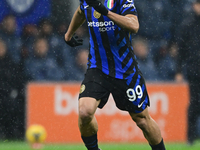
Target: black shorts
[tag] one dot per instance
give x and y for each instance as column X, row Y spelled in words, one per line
column 129, row 96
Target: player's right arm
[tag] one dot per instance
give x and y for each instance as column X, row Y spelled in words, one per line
column 77, row 20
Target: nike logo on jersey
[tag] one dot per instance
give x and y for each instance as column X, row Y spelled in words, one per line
column 140, row 105
column 86, row 6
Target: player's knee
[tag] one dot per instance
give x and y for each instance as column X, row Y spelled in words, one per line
column 85, row 115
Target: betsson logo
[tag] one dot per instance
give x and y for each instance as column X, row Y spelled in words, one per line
column 103, row 26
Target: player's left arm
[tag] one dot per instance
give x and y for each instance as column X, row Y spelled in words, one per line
column 128, row 22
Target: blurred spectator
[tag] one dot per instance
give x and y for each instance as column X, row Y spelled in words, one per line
column 62, row 28
column 188, row 58
column 68, row 60
column 155, row 18
column 41, row 67
column 45, row 28
column 145, row 62
column 165, row 60
column 9, row 83
column 29, row 34
column 56, row 43
column 8, row 34
column 46, row 31
column 155, row 21
column 179, row 9
column 80, row 66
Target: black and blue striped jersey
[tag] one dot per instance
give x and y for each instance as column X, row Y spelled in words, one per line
column 110, row 46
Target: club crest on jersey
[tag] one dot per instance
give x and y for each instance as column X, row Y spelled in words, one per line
column 96, row 14
column 110, row 4
column 20, row 6
column 82, row 89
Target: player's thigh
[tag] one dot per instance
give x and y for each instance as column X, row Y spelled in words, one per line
column 95, row 85
column 88, row 106
column 141, row 117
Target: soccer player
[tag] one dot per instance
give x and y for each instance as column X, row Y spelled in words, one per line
column 112, row 68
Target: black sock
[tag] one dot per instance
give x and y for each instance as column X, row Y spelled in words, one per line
column 91, row 142
column 160, row 146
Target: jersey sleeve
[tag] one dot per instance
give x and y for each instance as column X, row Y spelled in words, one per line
column 127, row 7
column 81, row 5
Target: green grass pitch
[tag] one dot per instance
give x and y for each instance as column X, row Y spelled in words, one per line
column 6, row 145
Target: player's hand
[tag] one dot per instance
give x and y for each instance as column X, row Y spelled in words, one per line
column 75, row 41
column 98, row 6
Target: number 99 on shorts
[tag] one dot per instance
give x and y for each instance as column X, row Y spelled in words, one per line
column 134, row 94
